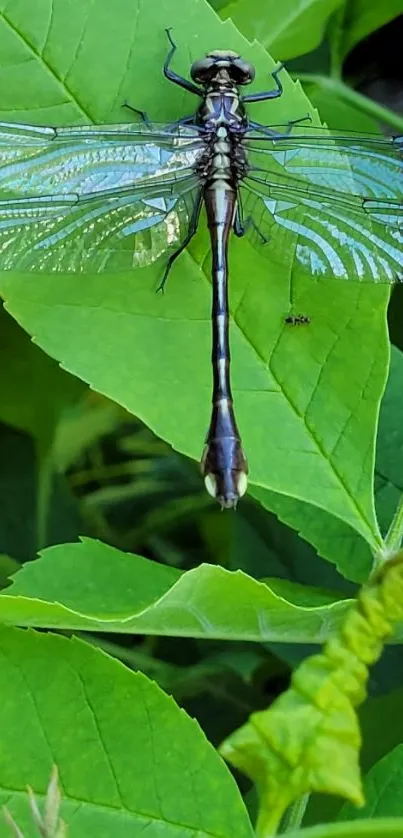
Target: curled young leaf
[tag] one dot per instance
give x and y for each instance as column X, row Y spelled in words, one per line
column 309, row 739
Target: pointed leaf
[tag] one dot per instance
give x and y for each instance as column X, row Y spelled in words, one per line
column 364, row 17
column 124, row 750
column 286, row 30
column 308, row 431
column 382, row 790
column 99, row 588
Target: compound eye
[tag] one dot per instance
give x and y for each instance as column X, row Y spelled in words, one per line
column 243, row 72
column 201, row 71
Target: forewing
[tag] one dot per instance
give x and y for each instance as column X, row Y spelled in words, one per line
column 93, row 200
column 359, row 164
column 334, row 201
column 37, row 161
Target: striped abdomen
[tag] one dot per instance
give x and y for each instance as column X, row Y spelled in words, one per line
column 224, row 464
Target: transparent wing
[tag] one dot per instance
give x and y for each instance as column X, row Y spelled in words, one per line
column 361, row 164
column 37, row 161
column 334, row 200
column 114, row 232
column 94, row 200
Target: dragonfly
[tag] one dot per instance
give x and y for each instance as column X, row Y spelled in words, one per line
column 124, row 196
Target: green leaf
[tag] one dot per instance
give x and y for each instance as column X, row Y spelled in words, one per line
column 8, row 566
column 99, row 588
column 337, row 113
column 381, row 725
column 307, row 429
column 382, row 828
column 164, row 390
column 89, row 420
column 18, row 520
column 47, row 824
column 287, row 29
column 124, row 750
column 389, row 455
column 34, row 390
column 337, row 91
column 365, row 16
column 35, row 393
column 382, row 790
column 309, row 738
column 333, row 539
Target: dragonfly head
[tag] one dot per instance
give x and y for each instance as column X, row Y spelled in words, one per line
column 222, row 63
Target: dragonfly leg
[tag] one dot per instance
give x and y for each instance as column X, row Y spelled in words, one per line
column 194, row 220
column 185, row 120
column 169, row 74
column 241, row 226
column 267, row 94
column 142, row 114
column 271, row 132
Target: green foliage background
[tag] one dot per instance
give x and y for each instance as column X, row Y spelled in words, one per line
column 104, row 403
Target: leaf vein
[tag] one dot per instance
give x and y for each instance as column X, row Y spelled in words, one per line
column 48, row 67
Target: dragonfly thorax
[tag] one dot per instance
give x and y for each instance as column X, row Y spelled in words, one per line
column 222, row 107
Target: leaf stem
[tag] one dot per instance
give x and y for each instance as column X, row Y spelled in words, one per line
column 335, row 35
column 394, row 537
column 337, row 88
column 295, row 813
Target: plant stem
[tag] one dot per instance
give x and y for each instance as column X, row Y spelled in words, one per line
column 335, row 37
column 394, row 538
column 362, row 103
column 295, row 813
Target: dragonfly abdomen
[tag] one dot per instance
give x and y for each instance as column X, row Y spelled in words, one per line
column 224, row 465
